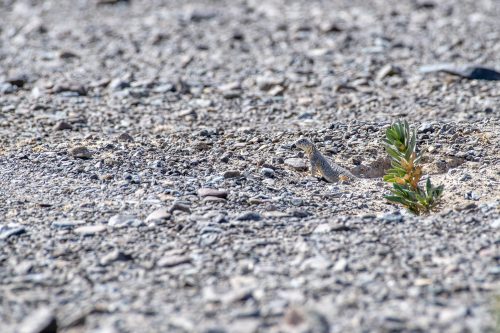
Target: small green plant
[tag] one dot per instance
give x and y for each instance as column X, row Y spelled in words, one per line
column 405, row 172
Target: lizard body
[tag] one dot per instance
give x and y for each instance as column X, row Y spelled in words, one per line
column 320, row 165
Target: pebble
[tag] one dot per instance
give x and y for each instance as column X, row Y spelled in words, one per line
column 90, row 230
column 392, row 218
column 297, row 164
column 231, row 174
column 387, row 70
column 173, row 260
column 80, row 152
column 10, row 230
column 210, row 192
column 62, row 125
column 125, row 137
column 114, row 256
column 267, row 172
column 495, row 224
column 7, row 88
column 181, row 206
column 213, row 199
column 118, row 84
column 249, row 216
column 472, row 196
column 67, row 224
column 41, row 320
column 323, row 228
column 123, row 221
column 158, row 215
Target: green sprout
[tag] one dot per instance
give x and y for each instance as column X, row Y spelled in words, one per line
column 405, row 172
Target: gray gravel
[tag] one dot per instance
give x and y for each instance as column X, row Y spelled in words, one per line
column 148, row 181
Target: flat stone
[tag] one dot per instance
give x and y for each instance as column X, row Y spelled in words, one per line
column 210, row 192
column 231, row 174
column 125, row 137
column 158, row 215
column 267, row 172
column 62, row 125
column 172, row 261
column 297, row 164
column 90, row 230
column 323, row 228
column 113, row 256
column 179, row 206
column 11, row 230
column 213, row 199
column 387, row 70
column 249, row 216
column 40, row 321
column 123, row 221
column 80, row 152
column 67, row 224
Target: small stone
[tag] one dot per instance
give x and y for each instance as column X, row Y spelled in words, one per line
column 472, row 196
column 40, row 321
column 231, row 174
column 495, row 224
column 340, row 265
column 179, row 206
column 7, row 88
column 240, row 294
column 113, row 256
column 125, row 137
column 210, row 192
column 18, row 80
column 67, row 55
column 80, row 152
column 118, row 84
column 323, row 228
column 110, row 2
column 213, row 199
column 425, row 127
column 297, row 164
column 249, row 216
column 90, row 230
column 158, row 215
column 300, row 213
column 10, row 230
column 465, row 177
column 266, row 83
column 62, row 125
column 123, row 221
column 267, row 172
column 225, row 158
column 276, row 91
column 67, row 224
column 392, row 218
column 387, row 70
column 230, row 94
column 172, row 261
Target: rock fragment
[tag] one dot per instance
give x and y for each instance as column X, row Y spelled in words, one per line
column 40, row 321
column 297, row 164
column 90, row 230
column 210, row 192
column 80, row 152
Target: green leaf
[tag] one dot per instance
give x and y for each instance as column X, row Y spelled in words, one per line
column 395, row 198
column 394, row 154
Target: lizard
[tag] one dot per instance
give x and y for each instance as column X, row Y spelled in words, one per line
column 319, row 164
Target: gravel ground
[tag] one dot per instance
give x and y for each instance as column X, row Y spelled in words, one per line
column 148, row 181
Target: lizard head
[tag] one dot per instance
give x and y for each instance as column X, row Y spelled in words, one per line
column 305, row 144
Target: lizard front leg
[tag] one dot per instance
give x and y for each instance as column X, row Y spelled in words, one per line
column 313, row 168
